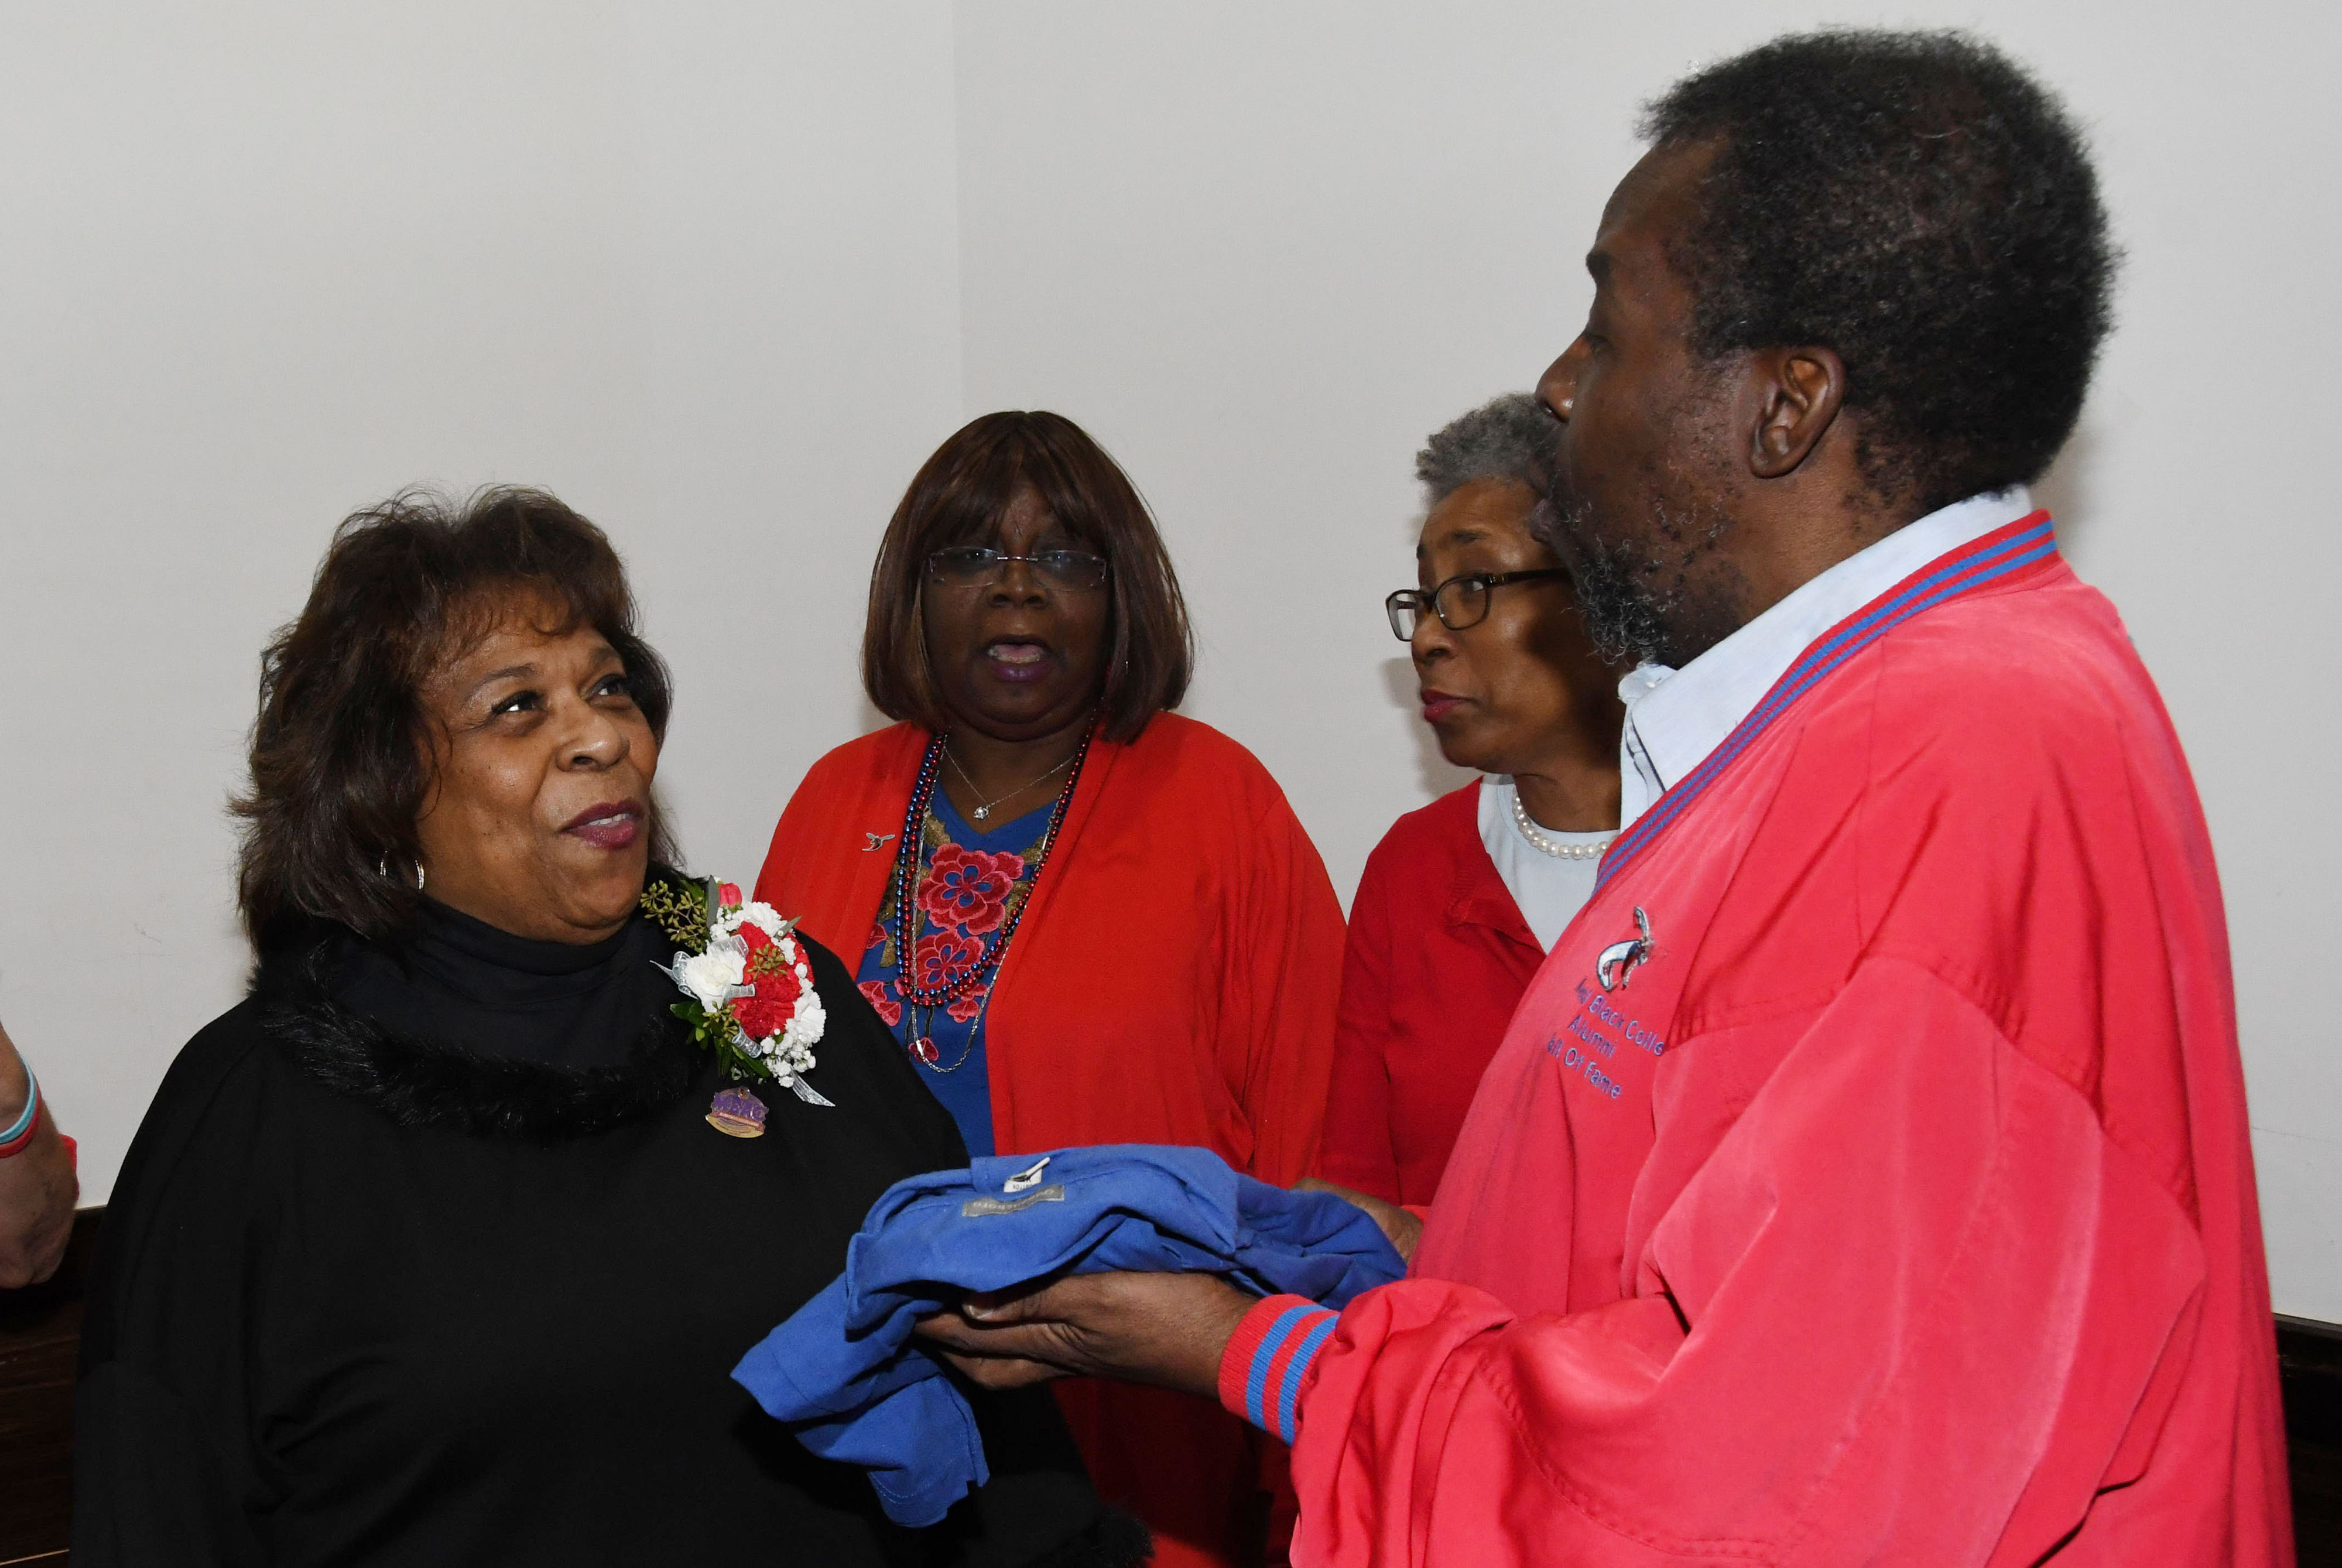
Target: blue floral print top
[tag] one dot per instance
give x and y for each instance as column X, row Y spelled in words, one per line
column 969, row 883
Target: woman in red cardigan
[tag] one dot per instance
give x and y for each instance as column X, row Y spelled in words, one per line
column 1088, row 919
column 1462, row 898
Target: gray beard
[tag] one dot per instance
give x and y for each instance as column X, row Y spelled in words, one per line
column 1638, row 598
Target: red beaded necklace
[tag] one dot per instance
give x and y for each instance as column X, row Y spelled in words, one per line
column 958, row 984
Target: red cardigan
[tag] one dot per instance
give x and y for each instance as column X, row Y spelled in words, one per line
column 1438, row 955
column 1174, row 981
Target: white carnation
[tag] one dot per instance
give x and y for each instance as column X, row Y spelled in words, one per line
column 808, row 1022
column 763, row 916
column 710, row 976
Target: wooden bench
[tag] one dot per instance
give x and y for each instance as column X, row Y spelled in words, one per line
column 2309, row 1359
column 40, row 1336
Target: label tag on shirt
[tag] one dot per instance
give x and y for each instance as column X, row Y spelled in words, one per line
column 977, row 1208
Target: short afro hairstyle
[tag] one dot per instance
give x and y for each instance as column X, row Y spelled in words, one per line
column 1920, row 205
column 1509, row 438
column 341, row 751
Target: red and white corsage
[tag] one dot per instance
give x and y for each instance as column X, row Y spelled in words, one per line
column 751, row 992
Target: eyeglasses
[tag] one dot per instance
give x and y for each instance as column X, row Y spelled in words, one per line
column 1459, row 601
column 974, row 566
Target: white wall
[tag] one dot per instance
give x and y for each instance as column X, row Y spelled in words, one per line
column 1264, row 250
column 691, row 267
column 722, row 276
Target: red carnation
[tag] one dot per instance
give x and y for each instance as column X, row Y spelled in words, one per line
column 767, row 1012
column 889, row 1010
column 969, row 888
column 776, row 985
column 760, row 1019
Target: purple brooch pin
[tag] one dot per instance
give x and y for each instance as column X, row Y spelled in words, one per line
column 738, row 1113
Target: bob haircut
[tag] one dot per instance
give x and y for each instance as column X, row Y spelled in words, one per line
column 959, row 495
column 342, row 749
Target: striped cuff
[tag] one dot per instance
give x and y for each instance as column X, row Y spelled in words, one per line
column 1268, row 1358
column 19, row 1137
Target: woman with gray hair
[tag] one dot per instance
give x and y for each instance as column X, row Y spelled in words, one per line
column 1462, row 898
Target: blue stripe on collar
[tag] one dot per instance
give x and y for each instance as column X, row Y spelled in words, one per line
column 1981, row 561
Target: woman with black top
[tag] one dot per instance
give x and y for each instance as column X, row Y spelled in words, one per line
column 428, row 1253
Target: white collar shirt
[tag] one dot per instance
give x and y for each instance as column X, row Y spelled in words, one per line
column 1676, row 717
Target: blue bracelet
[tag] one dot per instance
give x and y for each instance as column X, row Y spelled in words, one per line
column 24, row 1123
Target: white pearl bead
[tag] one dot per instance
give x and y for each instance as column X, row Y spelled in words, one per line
column 1537, row 841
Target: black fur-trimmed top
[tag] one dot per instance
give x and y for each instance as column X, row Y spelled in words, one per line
column 467, row 1027
column 413, row 1263
column 421, row 1082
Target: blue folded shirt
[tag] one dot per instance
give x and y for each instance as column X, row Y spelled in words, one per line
column 846, row 1375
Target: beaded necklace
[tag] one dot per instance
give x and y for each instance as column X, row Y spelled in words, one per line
column 906, row 878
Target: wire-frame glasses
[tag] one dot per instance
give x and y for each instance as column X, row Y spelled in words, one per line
column 976, row 566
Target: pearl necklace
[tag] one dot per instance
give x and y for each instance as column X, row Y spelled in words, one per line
column 1544, row 846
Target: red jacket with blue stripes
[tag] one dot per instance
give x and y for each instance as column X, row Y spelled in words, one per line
column 1865, row 1176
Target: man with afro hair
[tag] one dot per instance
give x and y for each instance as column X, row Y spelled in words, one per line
column 1865, row 1176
